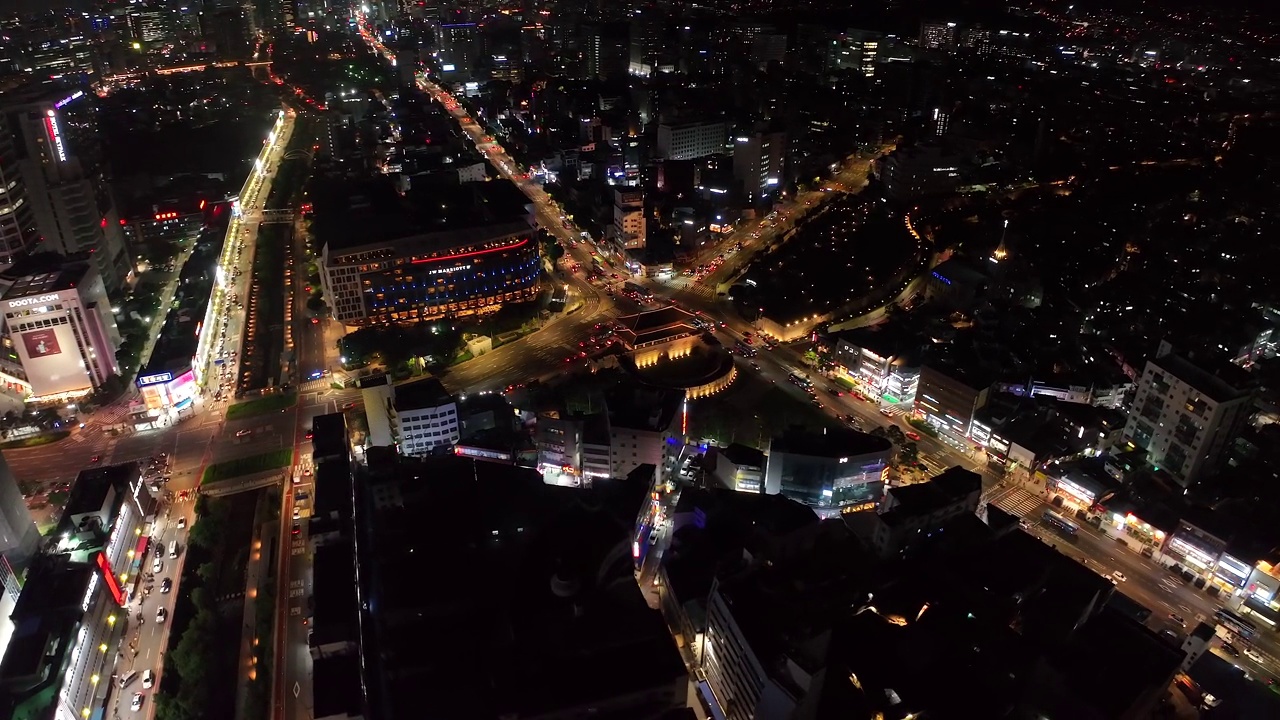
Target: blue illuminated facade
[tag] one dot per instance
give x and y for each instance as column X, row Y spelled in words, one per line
column 401, row 283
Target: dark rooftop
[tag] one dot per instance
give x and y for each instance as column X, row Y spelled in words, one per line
column 1209, row 384
column 833, row 443
column 743, row 455
column 425, row 393
column 534, row 607
column 44, row 274
column 643, row 408
column 335, row 594
column 941, row 491
column 354, row 213
column 335, row 682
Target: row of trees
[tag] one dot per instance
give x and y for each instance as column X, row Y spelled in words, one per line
column 187, row 688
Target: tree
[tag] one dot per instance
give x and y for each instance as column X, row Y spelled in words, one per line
column 810, row 358
column 896, row 435
column 555, row 251
column 207, row 528
column 908, row 454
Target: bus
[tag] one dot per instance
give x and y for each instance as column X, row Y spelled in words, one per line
column 1061, row 525
column 641, row 292
column 800, row 380
column 1236, row 624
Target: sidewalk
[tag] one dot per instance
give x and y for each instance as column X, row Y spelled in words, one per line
column 255, row 655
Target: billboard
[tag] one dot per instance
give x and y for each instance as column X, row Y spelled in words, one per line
column 41, row 343
column 51, row 361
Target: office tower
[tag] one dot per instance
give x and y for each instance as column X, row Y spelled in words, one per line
column 17, row 222
column 459, row 46
column 938, row 35
column 628, row 218
column 759, row 159
column 56, row 143
column 19, row 539
column 1184, row 416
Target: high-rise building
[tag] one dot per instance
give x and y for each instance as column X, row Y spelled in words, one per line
column 1184, row 416
column 628, row 218
column 759, row 160
column 18, row 230
column 19, row 538
column 459, row 47
column 938, row 35
column 59, row 328
column 854, row 50
column 59, row 154
column 688, row 141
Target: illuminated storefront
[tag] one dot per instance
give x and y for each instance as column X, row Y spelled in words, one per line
column 1230, row 574
column 1132, row 525
column 1073, row 493
column 166, row 391
column 1194, row 556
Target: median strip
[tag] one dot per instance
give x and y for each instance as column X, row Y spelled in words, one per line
column 251, row 465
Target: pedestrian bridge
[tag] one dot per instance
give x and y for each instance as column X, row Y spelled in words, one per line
column 270, row 217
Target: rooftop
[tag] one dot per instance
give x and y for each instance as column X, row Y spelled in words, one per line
column 351, row 213
column 943, row 490
column 653, row 326
column 832, row 443
column 419, row 394
column 643, row 408
column 534, row 610
column 335, row 682
column 743, row 455
column 42, row 278
column 1206, row 383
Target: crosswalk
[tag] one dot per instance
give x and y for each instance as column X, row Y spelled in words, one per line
column 895, row 410
column 1016, row 501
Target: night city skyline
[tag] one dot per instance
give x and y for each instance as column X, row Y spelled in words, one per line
column 742, row 360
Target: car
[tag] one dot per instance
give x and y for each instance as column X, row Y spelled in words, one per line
column 136, row 703
column 316, row 375
column 348, row 406
column 242, row 433
column 148, row 678
column 161, row 614
column 95, row 459
column 157, row 566
column 309, row 435
column 1118, row 576
column 1255, row 656
column 1175, row 617
column 297, row 528
column 297, row 512
column 1230, row 649
column 912, row 435
column 755, row 365
column 166, row 586
column 182, row 522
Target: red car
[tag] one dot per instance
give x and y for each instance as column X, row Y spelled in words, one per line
column 913, row 435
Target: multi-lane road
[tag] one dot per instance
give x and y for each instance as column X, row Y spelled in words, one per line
column 218, row 356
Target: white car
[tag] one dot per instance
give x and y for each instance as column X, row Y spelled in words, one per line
column 182, row 522
column 161, row 614
column 158, row 566
column 136, row 703
column 148, row 678
column 1118, row 576
column 1255, row 656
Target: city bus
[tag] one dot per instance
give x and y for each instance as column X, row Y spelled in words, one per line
column 1061, row 525
column 1236, row 624
column 641, row 292
column 800, row 380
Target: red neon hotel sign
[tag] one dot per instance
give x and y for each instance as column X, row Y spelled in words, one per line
column 113, row 583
